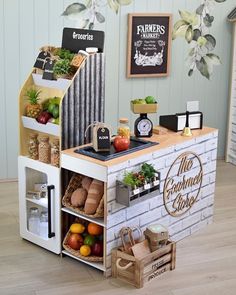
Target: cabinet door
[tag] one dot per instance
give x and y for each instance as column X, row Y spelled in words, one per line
column 40, row 220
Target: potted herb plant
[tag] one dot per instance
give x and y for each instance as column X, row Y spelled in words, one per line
column 62, row 68
column 137, row 186
column 149, row 173
column 63, row 54
column 134, row 181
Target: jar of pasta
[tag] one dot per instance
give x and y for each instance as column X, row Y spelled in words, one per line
column 123, row 129
column 55, row 153
column 33, row 146
column 44, row 150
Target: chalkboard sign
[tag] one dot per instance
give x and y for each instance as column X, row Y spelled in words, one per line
column 103, row 139
column 41, row 60
column 79, row 39
column 149, row 41
column 48, row 73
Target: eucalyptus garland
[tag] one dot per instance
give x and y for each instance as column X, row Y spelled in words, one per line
column 195, row 28
column 90, row 12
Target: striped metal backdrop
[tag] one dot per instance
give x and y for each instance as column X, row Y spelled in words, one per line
column 84, row 102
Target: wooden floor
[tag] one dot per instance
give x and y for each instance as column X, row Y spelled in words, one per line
column 206, row 261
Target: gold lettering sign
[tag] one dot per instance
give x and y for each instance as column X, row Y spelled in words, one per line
column 183, row 184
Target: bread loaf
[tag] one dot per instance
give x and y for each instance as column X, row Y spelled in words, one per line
column 95, row 193
column 79, row 197
column 86, row 182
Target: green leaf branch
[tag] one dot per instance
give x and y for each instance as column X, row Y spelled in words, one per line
column 194, row 27
column 89, row 13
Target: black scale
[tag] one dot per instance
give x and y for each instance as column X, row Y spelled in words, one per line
column 143, row 126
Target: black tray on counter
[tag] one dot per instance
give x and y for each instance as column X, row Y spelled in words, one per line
column 136, row 144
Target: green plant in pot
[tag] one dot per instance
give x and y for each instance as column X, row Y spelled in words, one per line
column 64, row 54
column 148, row 171
column 62, row 68
column 134, row 180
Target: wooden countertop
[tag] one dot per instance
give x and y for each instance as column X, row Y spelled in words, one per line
column 166, row 140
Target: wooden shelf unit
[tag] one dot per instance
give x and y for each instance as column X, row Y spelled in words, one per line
column 99, row 221
column 41, row 202
column 79, row 95
column 98, row 265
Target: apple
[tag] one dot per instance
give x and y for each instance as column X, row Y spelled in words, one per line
column 121, row 143
column 44, row 117
column 75, row 241
column 97, row 249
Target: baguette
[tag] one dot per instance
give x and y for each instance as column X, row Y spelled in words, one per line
column 95, row 193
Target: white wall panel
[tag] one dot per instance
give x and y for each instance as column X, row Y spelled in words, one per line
column 26, row 25
column 12, row 76
column 3, row 144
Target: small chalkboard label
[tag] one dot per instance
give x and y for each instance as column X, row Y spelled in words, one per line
column 48, row 70
column 149, row 41
column 41, row 59
column 79, row 39
column 103, row 138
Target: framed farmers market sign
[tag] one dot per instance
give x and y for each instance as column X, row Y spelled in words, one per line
column 149, row 41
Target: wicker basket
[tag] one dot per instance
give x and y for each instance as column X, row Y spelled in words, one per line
column 76, row 252
column 74, row 184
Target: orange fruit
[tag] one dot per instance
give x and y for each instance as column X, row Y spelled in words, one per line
column 94, row 229
column 85, row 250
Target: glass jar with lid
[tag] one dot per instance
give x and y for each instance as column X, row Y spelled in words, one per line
column 34, row 220
column 123, row 129
column 33, row 146
column 43, row 226
column 44, row 150
column 55, row 153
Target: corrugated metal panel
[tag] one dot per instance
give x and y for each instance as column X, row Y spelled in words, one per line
column 84, row 101
column 232, row 15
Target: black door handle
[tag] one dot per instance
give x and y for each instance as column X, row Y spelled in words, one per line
column 50, row 233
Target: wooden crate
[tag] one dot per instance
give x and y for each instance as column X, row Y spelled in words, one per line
column 138, row 272
column 144, row 108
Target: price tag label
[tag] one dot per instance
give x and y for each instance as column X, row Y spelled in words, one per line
column 155, row 182
column 41, row 60
column 136, row 191
column 147, row 186
column 48, row 70
column 103, row 138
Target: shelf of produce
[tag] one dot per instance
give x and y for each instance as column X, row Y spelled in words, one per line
column 60, row 83
column 49, row 128
column 98, row 221
column 41, row 202
column 98, row 265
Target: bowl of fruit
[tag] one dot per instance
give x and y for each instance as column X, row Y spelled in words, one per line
column 144, row 105
column 85, row 240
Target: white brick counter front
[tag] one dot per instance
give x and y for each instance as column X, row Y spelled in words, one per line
column 203, row 145
column 153, row 210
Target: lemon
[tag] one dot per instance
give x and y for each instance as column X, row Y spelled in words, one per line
column 85, row 250
column 77, row 228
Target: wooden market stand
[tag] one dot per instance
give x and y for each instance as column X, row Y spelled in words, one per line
column 82, row 103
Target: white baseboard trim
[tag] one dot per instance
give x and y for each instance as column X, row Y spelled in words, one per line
column 8, row 180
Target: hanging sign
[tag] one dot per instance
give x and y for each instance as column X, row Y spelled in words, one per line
column 149, row 40
column 103, row 139
column 183, row 184
column 48, row 73
column 41, row 60
column 79, row 39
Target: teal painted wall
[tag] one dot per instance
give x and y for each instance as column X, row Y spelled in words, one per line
column 25, row 25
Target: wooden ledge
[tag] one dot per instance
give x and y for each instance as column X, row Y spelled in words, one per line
column 166, row 140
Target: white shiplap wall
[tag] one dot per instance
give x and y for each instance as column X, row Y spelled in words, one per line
column 26, row 25
column 231, row 139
